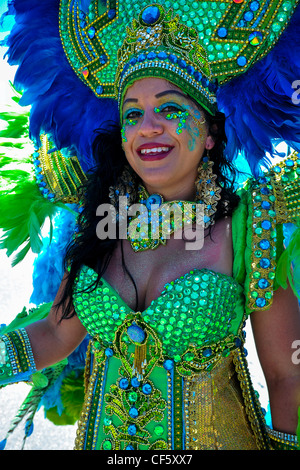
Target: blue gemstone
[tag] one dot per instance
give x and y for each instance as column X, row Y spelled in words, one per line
column 266, row 224
column 260, row 302
column 111, row 14
column 254, row 6
column 238, row 342
column 99, row 89
column 151, row 14
column 146, row 389
column 162, row 55
column 173, row 58
column 265, row 263
column 135, row 382
column 141, row 57
column 123, row 384
column 197, row 76
column 264, row 191
column 103, row 59
column 136, row 333
column 182, row 63
column 289, row 163
column 241, row 61
column 266, row 205
column 207, row 352
column 168, row 364
column 129, row 447
column 264, row 244
column 153, row 199
column 133, row 61
column 91, row 32
column 131, row 429
column 222, row 32
column 204, row 82
column 133, row 412
column 151, row 55
column 190, row 69
column 109, row 352
column 248, row 16
column 263, row 283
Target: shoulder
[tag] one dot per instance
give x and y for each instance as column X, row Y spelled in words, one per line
column 267, row 204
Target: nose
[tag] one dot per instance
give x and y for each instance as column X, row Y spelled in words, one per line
column 150, row 124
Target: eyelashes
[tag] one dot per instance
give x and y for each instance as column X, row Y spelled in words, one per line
column 166, row 109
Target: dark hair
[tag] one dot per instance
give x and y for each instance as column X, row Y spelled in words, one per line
column 87, row 248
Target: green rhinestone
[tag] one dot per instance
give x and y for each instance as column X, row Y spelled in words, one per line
column 256, row 274
column 107, row 445
column 159, row 430
column 132, row 397
column 188, row 356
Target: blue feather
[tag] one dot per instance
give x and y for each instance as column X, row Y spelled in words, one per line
column 61, row 105
column 48, row 266
column 258, row 105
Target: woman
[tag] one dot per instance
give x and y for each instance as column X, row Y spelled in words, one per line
column 166, row 367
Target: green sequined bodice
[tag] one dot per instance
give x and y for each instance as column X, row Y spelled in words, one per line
column 196, row 309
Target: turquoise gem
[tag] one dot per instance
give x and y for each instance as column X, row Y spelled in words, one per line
column 168, row 364
column 146, row 389
column 265, row 263
column 133, row 412
column 266, row 225
column 136, row 333
column 263, row 283
column 241, row 61
column 260, row 302
column 132, row 429
column 264, row 244
column 123, row 384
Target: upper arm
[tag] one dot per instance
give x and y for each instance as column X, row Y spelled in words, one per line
column 275, row 331
column 53, row 339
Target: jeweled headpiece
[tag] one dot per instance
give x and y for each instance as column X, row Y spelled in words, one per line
column 195, row 44
column 241, row 56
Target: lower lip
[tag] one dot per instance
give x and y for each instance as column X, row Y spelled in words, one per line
column 152, row 157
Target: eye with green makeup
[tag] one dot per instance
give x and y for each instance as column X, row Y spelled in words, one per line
column 170, row 108
column 132, row 114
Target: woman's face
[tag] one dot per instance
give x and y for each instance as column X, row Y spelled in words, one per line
column 164, row 137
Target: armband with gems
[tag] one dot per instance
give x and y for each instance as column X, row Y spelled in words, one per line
column 16, row 357
column 274, row 200
column 281, row 440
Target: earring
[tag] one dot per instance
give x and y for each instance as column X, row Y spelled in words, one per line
column 207, row 190
column 126, row 186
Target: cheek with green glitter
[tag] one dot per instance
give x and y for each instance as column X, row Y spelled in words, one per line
column 127, row 122
column 181, row 116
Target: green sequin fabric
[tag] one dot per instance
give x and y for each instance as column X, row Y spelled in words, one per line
column 196, row 309
column 234, row 34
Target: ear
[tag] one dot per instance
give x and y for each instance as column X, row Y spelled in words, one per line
column 209, row 143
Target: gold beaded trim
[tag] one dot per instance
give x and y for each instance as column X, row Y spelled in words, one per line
column 252, row 405
column 281, row 440
column 62, row 177
column 275, row 200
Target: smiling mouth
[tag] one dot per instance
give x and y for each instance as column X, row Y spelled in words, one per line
column 154, row 153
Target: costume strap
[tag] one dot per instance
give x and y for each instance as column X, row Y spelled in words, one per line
column 273, row 200
column 16, row 357
column 281, row 440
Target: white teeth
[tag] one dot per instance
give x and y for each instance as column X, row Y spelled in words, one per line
column 154, row 150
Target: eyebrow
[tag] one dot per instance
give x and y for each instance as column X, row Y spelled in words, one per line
column 159, row 95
